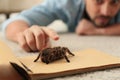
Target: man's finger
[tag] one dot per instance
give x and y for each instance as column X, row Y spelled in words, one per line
column 22, row 42
column 40, row 39
column 30, row 39
column 51, row 33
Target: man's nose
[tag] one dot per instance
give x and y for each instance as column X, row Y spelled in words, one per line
column 106, row 10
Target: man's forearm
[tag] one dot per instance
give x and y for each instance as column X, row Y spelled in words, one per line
column 7, row 72
column 14, row 28
column 110, row 30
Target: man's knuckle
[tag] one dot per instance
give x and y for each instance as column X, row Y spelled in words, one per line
column 26, row 31
column 30, row 42
column 40, row 34
column 51, row 29
column 23, row 45
column 34, row 27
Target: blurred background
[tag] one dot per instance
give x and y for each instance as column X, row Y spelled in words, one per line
column 10, row 8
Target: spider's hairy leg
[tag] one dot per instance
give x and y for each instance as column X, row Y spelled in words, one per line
column 66, row 58
column 38, row 57
column 43, row 59
column 64, row 55
column 69, row 52
column 46, row 61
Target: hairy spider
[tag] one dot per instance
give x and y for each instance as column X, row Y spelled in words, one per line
column 51, row 54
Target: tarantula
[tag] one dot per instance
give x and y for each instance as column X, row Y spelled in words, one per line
column 51, row 54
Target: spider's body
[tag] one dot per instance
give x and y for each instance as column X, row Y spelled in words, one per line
column 51, row 54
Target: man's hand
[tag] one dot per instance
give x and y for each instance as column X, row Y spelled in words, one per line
column 86, row 27
column 36, row 38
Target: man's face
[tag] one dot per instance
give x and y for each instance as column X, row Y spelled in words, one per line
column 102, row 11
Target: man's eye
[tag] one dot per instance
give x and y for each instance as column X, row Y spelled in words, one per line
column 115, row 1
column 99, row 1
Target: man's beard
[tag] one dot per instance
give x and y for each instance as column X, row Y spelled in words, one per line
column 101, row 24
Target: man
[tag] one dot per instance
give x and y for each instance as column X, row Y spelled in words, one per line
column 86, row 17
